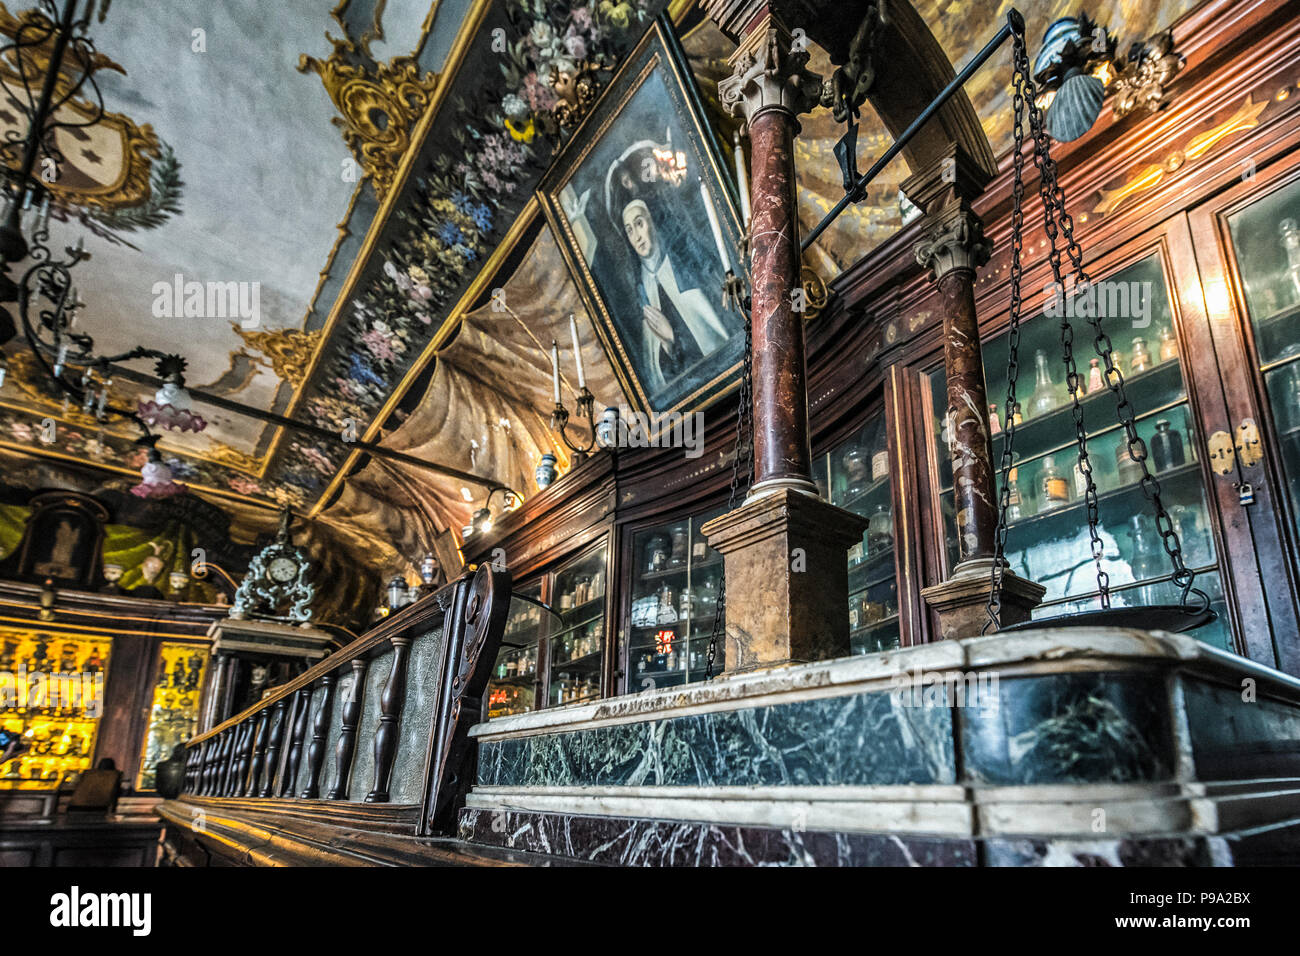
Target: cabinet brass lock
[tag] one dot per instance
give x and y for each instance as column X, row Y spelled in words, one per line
column 1223, row 458
column 1249, row 449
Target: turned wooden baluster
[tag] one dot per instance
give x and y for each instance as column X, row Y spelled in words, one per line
column 262, row 721
column 220, row 767
column 298, row 734
column 348, row 734
column 316, row 751
column 273, row 742
column 240, row 781
column 211, row 757
column 221, row 764
column 391, row 703
column 207, row 761
column 228, row 763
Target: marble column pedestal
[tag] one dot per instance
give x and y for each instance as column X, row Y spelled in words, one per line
column 961, row 602
column 785, row 558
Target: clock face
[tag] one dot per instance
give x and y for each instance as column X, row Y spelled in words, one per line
column 283, row 570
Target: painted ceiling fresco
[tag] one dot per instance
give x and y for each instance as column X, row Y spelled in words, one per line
column 373, row 289
column 486, row 410
column 248, row 182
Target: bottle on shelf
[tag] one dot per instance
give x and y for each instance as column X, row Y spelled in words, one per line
column 880, row 529
column 1141, row 356
column 880, row 459
column 1016, row 416
column 1095, row 383
column 1074, row 387
column 1053, row 491
column 1166, row 447
column 681, row 543
column 1288, row 416
column 1168, row 344
column 1080, row 480
column 1289, row 230
column 995, row 421
column 1013, row 496
column 1044, row 399
column 1128, row 470
column 855, row 468
column 1148, row 556
column 1117, row 361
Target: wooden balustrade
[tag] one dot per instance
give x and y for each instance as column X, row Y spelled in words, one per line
column 274, row 753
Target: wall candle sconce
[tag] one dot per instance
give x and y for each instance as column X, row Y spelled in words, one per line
column 586, row 401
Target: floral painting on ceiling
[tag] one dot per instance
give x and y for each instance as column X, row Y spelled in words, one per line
column 551, row 60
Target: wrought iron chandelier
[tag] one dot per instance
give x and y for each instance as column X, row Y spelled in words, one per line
column 51, row 62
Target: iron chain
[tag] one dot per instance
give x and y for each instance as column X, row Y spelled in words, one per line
column 1057, row 222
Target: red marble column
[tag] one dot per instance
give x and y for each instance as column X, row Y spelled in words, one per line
column 781, row 445
column 972, row 451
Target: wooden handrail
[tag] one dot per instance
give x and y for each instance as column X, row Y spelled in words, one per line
column 425, row 613
column 283, row 741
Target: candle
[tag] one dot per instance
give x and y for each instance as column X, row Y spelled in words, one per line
column 742, row 177
column 577, row 351
column 555, row 369
column 713, row 224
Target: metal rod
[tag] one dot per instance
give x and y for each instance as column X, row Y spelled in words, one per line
column 1013, row 17
column 315, row 430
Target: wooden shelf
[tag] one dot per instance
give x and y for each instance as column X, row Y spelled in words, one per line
column 682, row 569
column 1080, row 505
column 874, row 626
column 848, row 503
column 516, row 680
column 589, row 662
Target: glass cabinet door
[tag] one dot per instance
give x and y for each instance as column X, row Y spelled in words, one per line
column 1265, row 238
column 674, row 599
column 855, row 476
column 514, row 685
column 575, row 655
column 1048, row 539
column 1246, row 248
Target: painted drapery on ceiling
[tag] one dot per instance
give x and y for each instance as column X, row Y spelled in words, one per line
column 487, row 408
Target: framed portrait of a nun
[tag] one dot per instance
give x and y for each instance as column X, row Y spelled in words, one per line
column 640, row 203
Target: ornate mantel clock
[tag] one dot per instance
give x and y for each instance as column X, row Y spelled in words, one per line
column 276, row 585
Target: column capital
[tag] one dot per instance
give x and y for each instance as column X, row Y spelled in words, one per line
column 956, row 242
column 768, row 72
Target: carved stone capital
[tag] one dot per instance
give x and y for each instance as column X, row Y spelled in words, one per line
column 768, row 72
column 957, row 242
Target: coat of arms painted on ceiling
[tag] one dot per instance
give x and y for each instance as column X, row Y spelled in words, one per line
column 106, row 172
